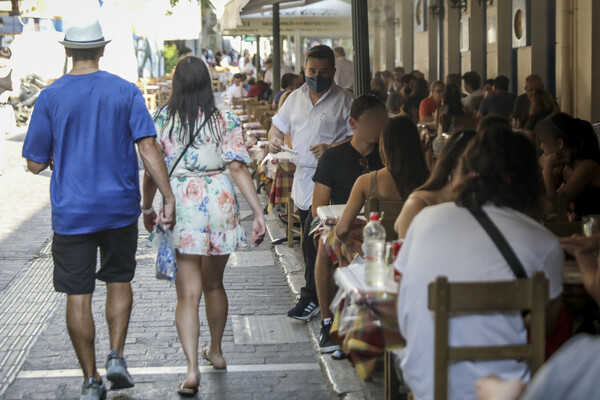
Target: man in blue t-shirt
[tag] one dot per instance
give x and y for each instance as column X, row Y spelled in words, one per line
column 84, row 127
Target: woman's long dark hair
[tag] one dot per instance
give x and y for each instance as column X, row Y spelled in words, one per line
column 448, row 160
column 403, row 155
column 191, row 97
column 452, row 103
column 420, row 91
column 577, row 134
column 500, row 167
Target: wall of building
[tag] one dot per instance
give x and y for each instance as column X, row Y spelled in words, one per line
column 561, row 47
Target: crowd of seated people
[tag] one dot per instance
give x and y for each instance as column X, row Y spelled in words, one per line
column 523, row 148
column 496, row 169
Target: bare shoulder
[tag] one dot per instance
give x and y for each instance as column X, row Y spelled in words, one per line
column 427, row 197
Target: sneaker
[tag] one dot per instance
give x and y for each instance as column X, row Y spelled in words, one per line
column 304, row 310
column 116, row 371
column 326, row 342
column 92, row 389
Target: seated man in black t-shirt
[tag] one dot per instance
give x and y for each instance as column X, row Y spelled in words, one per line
column 337, row 170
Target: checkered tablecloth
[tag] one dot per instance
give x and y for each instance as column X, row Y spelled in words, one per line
column 364, row 322
column 282, row 182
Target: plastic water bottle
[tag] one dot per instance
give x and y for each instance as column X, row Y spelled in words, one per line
column 374, row 250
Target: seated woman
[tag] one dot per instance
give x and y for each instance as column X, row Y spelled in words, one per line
column 439, row 188
column 571, row 161
column 394, row 104
column 451, row 106
column 417, row 93
column 542, row 106
column 405, row 169
column 500, row 178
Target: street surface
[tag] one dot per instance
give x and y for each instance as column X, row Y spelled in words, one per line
column 269, row 355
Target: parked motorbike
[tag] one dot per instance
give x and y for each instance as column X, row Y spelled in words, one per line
column 31, row 87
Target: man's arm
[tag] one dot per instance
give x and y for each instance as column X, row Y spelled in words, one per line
column 36, row 167
column 321, row 197
column 151, row 154
column 275, row 139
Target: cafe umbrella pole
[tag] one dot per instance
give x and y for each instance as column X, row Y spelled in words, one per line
column 360, row 40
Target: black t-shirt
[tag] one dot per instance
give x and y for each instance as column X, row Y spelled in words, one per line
column 339, row 167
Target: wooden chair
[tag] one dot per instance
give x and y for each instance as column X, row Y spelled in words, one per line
column 556, row 207
column 483, row 297
column 388, row 211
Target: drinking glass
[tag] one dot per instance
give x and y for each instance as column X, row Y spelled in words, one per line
column 591, row 225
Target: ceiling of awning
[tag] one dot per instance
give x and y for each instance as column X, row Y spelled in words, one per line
column 326, row 18
column 255, row 6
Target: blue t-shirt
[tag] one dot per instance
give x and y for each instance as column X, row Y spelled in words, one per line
column 89, row 124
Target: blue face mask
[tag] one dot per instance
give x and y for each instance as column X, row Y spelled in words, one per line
column 319, row 84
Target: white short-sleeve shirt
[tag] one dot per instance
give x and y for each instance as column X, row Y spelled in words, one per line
column 328, row 121
column 447, row 240
column 344, row 72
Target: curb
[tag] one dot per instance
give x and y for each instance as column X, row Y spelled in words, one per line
column 340, row 375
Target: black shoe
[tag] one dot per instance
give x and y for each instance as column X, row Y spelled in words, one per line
column 326, row 342
column 304, row 310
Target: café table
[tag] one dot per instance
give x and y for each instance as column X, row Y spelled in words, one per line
column 365, row 324
column 280, row 169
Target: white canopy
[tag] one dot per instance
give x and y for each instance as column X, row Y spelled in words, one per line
column 327, row 18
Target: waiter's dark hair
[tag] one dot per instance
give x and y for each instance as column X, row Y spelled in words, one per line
column 321, row 52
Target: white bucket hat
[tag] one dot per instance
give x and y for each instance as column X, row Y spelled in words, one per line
column 84, row 35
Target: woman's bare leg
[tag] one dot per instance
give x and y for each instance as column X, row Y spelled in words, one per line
column 216, row 304
column 188, row 283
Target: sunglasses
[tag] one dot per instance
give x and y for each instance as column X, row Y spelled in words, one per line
column 365, row 164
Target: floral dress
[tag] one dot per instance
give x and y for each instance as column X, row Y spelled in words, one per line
column 207, row 211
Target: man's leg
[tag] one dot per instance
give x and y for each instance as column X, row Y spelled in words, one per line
column 326, row 291
column 119, row 299
column 308, row 305
column 117, row 256
column 324, row 281
column 82, row 331
column 309, row 291
column 74, row 259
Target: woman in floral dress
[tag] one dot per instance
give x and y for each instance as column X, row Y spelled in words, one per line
column 208, row 225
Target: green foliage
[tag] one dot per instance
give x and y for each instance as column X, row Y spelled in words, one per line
column 204, row 3
column 171, row 55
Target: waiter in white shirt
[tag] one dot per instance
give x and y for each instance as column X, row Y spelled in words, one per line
column 316, row 116
column 344, row 69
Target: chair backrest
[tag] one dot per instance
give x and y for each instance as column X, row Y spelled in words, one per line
column 388, row 211
column 556, row 205
column 484, row 297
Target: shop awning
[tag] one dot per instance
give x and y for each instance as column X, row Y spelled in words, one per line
column 327, row 18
